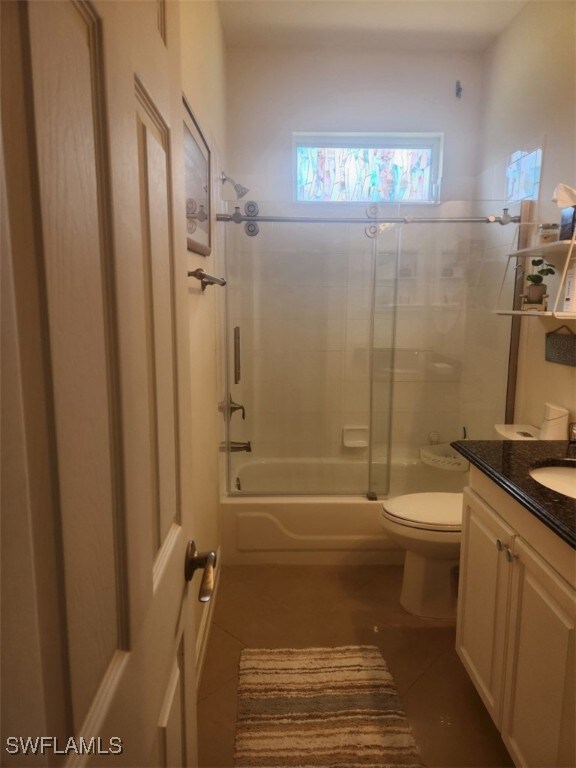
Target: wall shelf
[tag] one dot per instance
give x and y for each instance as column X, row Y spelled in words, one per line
column 558, row 248
column 535, row 313
column 527, row 313
column 561, row 249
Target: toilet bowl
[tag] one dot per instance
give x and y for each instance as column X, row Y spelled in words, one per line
column 428, row 526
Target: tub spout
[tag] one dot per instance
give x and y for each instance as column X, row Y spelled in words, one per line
column 236, row 447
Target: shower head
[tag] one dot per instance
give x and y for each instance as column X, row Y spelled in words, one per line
column 238, row 188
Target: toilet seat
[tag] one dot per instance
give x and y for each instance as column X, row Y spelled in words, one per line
column 426, row 511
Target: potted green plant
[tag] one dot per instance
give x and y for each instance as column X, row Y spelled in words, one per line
column 536, row 286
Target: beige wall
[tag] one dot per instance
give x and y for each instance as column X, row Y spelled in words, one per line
column 203, row 68
column 203, row 83
column 275, row 91
column 530, row 88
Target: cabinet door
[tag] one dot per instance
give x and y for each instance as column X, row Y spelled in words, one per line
column 482, row 600
column 539, row 697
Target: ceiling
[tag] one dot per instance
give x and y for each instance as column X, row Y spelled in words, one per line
column 441, row 25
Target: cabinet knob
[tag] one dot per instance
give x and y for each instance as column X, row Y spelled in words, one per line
column 499, row 545
column 509, row 555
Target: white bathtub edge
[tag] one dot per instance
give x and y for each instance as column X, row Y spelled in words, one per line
column 304, row 530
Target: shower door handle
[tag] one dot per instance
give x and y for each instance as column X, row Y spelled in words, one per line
column 195, row 560
column 237, row 355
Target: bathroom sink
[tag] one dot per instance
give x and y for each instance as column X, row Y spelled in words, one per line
column 557, row 474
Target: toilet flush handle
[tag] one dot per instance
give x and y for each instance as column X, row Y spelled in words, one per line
column 195, row 560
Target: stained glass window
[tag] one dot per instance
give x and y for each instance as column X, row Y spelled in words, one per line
column 358, row 168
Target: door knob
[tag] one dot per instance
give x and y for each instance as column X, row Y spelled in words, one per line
column 195, row 560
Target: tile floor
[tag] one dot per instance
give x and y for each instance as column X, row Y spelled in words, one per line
column 303, row 606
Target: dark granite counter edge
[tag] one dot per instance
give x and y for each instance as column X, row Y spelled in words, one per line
column 566, row 534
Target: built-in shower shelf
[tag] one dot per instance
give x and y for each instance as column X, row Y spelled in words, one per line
column 451, row 277
column 393, row 278
column 391, row 307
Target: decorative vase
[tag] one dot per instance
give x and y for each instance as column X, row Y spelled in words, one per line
column 535, row 293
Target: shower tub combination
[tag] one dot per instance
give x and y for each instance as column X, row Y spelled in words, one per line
column 270, row 526
column 349, row 326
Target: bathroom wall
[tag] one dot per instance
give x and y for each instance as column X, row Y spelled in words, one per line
column 296, row 406
column 530, row 83
column 275, row 91
column 203, row 81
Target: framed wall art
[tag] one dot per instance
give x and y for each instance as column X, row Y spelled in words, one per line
column 197, row 185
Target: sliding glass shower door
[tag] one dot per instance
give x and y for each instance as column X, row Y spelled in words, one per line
column 358, row 349
column 448, row 365
column 300, row 300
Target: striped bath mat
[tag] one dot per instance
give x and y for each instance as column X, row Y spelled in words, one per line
column 333, row 707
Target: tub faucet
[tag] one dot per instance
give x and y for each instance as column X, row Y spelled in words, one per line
column 572, row 433
column 232, row 408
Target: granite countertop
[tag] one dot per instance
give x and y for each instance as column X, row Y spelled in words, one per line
column 508, row 462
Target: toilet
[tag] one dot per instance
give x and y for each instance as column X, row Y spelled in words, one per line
column 428, row 526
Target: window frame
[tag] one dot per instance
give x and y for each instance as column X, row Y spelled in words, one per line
column 379, row 140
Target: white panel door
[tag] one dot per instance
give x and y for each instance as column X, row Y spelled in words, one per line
column 105, row 152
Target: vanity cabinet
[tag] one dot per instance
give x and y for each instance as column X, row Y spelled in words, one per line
column 516, row 627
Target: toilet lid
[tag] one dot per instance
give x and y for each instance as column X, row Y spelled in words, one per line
column 432, row 511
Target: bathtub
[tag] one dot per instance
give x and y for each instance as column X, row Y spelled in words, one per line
column 328, row 528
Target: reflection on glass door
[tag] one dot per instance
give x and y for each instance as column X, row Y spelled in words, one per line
column 442, row 374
